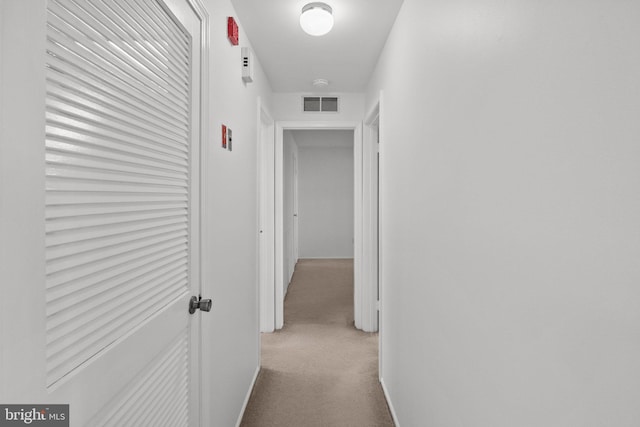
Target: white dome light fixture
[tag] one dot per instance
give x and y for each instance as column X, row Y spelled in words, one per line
column 320, row 83
column 316, row 19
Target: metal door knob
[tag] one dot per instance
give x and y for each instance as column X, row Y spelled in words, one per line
column 205, row 304
column 197, row 303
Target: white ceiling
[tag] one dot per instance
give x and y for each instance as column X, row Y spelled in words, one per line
column 292, row 59
column 323, row 138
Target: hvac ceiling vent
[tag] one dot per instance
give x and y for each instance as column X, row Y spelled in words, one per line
column 317, row 104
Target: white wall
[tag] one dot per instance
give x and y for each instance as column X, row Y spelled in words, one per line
column 232, row 223
column 290, row 150
column 326, row 186
column 510, row 234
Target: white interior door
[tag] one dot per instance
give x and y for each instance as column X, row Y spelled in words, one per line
column 121, row 219
column 296, row 217
column 267, row 224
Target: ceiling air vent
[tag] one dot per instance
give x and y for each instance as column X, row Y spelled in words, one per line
column 320, row 104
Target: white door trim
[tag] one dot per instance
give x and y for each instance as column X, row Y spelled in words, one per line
column 376, row 115
column 369, row 292
column 280, row 127
column 204, row 353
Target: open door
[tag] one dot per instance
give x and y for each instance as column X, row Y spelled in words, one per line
column 109, row 328
column 266, row 236
column 296, row 218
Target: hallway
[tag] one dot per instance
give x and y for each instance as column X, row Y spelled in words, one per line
column 496, row 180
column 319, row 370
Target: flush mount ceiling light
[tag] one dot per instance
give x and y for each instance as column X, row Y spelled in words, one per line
column 316, row 19
column 320, row 83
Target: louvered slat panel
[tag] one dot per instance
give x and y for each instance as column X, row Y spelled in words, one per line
column 64, row 211
column 85, row 272
column 114, row 306
column 82, row 161
column 113, row 289
column 63, row 167
column 58, row 364
column 100, row 50
column 126, row 38
column 157, row 397
column 83, row 59
column 64, row 114
column 104, row 71
column 76, row 291
column 94, row 256
column 99, row 91
column 155, row 72
column 57, row 183
column 88, row 197
column 98, row 219
column 163, row 25
column 95, row 80
column 108, row 144
column 173, row 51
column 95, row 234
column 70, row 99
column 117, row 178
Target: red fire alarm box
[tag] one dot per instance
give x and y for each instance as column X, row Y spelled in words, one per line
column 224, row 136
column 232, row 31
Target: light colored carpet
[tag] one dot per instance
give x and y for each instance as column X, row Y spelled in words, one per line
column 319, row 371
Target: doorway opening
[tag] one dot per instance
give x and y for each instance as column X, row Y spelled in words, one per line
column 280, row 278
column 276, row 276
column 273, row 287
column 323, row 293
column 317, row 196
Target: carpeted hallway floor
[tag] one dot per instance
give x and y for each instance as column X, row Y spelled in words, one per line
column 319, row 371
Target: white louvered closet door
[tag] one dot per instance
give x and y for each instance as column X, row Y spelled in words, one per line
column 122, row 210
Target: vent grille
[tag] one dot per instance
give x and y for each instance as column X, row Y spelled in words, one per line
column 317, row 104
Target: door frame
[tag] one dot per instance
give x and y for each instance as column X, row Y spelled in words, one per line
column 280, row 127
column 373, row 142
column 370, row 221
column 205, row 351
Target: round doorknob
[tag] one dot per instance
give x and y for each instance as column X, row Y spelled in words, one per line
column 205, row 304
column 196, row 303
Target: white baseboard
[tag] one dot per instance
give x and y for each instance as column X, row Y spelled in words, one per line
column 248, row 396
column 389, row 403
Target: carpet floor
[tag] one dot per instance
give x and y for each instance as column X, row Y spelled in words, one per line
column 319, row 370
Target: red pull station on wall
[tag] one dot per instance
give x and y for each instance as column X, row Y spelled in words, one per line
column 227, row 140
column 232, row 31
column 224, row 136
